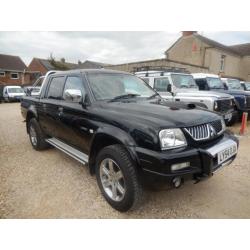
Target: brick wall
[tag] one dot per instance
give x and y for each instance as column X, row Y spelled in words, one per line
column 23, row 78
column 7, row 78
column 35, row 65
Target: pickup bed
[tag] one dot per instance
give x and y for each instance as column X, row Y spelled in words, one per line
column 122, row 129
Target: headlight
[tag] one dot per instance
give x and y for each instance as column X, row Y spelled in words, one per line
column 216, row 105
column 245, row 101
column 172, row 138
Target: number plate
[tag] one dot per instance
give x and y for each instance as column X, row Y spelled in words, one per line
column 227, row 153
column 228, row 116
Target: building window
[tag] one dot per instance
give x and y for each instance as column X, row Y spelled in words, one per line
column 222, row 63
column 14, row 75
column 2, row 74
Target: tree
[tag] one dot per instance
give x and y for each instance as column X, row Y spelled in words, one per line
column 57, row 64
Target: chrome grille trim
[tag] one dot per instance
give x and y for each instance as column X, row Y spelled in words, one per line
column 203, row 131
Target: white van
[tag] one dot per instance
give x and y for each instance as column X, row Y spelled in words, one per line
column 12, row 93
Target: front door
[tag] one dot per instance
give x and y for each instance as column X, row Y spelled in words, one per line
column 75, row 119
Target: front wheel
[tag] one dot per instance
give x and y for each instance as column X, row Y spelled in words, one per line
column 117, row 178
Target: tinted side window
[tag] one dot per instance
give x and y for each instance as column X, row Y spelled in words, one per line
column 74, row 82
column 56, row 88
column 161, row 84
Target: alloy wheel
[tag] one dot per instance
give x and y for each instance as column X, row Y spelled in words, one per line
column 33, row 136
column 112, row 179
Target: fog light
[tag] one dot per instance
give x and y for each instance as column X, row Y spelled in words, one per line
column 180, row 166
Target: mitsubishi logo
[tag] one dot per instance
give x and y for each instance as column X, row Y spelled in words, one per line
column 211, row 130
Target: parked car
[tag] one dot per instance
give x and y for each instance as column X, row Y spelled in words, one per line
column 12, row 93
column 213, row 82
column 35, row 89
column 31, row 90
column 124, row 131
column 245, row 85
column 175, row 86
column 232, row 84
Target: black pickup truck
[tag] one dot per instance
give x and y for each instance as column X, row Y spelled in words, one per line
column 119, row 127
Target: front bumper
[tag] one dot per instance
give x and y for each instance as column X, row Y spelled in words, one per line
column 203, row 160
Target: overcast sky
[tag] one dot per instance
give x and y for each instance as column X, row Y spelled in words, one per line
column 108, row 47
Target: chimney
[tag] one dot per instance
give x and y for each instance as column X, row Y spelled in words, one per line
column 63, row 60
column 188, row 33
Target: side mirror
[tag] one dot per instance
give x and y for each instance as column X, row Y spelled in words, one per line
column 73, row 95
column 169, row 88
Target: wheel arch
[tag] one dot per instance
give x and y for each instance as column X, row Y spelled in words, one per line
column 31, row 113
column 106, row 137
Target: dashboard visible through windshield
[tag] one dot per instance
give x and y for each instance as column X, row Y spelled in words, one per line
column 215, row 83
column 234, row 84
column 183, row 81
column 247, row 84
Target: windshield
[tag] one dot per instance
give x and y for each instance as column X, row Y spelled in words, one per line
column 234, row 84
column 247, row 84
column 15, row 90
column 215, row 83
column 107, row 86
column 183, row 81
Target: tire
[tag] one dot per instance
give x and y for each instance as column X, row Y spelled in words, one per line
column 129, row 181
column 36, row 135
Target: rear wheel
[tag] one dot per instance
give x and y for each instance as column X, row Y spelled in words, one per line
column 117, row 178
column 36, row 135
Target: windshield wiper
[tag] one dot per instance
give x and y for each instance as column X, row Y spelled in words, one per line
column 123, row 97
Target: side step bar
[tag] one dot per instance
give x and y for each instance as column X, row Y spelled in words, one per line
column 74, row 153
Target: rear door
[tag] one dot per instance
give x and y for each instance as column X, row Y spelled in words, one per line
column 51, row 105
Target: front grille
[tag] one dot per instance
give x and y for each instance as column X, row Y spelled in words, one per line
column 205, row 131
column 248, row 102
column 217, row 126
column 224, row 105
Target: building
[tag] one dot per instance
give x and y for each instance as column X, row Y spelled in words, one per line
column 196, row 53
column 92, row 65
column 158, row 64
column 42, row 66
column 13, row 70
column 227, row 61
